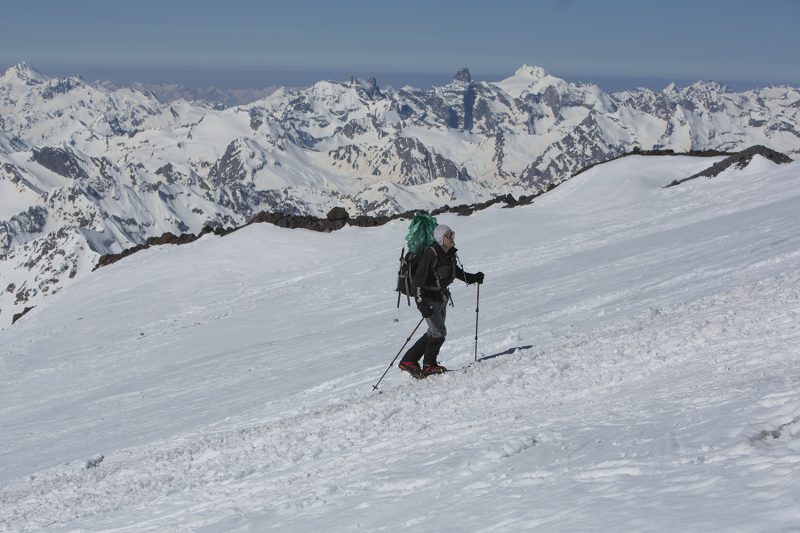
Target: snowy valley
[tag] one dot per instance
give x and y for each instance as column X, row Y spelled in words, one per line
column 638, row 350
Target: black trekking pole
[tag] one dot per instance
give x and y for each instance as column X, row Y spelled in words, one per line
column 402, row 254
column 375, row 387
column 477, row 309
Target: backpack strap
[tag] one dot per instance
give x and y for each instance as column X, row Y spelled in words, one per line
column 438, row 286
column 446, row 290
column 436, row 260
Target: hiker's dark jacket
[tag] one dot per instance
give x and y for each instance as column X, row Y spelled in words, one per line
column 436, row 265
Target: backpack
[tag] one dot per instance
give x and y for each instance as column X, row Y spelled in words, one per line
column 419, row 237
column 408, row 267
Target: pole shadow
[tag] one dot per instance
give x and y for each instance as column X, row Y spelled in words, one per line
column 506, row 352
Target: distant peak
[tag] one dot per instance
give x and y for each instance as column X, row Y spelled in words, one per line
column 529, row 79
column 370, row 86
column 708, row 86
column 698, row 87
column 25, row 73
column 463, row 76
column 531, row 71
column 369, row 83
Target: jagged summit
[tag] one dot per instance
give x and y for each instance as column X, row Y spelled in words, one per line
column 370, row 86
column 697, row 88
column 463, row 76
column 707, row 87
column 532, row 72
column 24, row 73
column 529, row 79
column 671, row 89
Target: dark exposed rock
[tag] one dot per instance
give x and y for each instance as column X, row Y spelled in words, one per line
column 166, row 238
column 24, row 294
column 469, row 105
column 338, row 217
column 405, row 111
column 230, row 168
column 364, row 221
column 22, row 313
column 31, row 221
column 338, row 213
column 255, row 120
column 639, row 151
column 352, row 128
column 420, row 165
column 740, row 160
column 370, row 88
column 106, row 168
column 463, row 76
column 60, row 160
column 168, row 172
column 309, row 222
column 349, row 154
column 57, row 87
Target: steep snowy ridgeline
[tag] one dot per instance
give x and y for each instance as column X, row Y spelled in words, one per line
column 16, row 195
column 41, row 268
column 639, row 349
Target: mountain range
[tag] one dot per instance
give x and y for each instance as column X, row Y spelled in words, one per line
column 92, row 169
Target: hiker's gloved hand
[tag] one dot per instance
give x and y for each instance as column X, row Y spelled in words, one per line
column 474, row 278
column 425, row 308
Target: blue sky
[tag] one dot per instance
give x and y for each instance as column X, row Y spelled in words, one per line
column 248, row 43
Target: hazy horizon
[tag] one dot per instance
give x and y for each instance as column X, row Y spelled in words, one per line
column 251, row 78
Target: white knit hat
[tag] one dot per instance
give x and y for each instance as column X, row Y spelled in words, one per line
column 438, row 233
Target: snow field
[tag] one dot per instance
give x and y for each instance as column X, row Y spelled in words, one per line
column 551, row 401
column 638, row 346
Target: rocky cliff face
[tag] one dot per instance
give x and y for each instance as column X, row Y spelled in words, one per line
column 91, row 170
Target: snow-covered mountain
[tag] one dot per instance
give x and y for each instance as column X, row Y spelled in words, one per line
column 638, row 346
column 220, row 98
column 88, row 169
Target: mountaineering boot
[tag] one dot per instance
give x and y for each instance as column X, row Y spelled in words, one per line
column 432, row 350
column 435, row 368
column 412, row 368
column 414, row 354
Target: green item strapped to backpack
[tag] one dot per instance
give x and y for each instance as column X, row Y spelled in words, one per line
column 419, row 237
column 420, row 232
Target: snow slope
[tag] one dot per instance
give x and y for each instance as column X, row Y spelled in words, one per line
column 638, row 371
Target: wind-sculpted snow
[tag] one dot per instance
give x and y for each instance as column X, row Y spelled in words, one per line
column 638, row 349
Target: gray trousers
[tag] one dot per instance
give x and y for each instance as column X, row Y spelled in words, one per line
column 436, row 326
